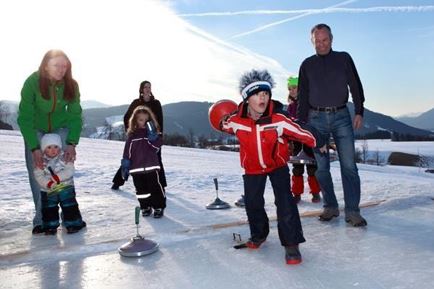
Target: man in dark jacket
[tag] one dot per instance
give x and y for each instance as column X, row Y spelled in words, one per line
column 324, row 80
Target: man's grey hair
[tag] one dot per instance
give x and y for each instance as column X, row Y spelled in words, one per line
column 322, row 26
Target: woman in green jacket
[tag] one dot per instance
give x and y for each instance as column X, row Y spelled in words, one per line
column 50, row 102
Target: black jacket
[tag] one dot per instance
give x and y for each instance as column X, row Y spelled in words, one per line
column 324, row 81
column 153, row 104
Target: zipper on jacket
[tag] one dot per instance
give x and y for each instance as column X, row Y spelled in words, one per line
column 259, row 147
column 53, row 107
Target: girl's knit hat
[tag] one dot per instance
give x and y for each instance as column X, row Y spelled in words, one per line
column 255, row 81
column 50, row 139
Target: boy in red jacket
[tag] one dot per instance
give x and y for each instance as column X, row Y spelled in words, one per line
column 263, row 132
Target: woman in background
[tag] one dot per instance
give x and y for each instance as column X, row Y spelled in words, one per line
column 146, row 98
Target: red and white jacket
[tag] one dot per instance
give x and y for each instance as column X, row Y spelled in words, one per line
column 264, row 143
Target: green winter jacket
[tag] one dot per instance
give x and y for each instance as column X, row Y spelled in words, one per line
column 38, row 114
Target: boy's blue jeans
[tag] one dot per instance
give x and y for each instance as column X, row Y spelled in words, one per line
column 339, row 125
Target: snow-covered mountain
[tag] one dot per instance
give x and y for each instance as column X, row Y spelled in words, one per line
column 424, row 120
column 86, row 104
column 191, row 117
column 395, row 250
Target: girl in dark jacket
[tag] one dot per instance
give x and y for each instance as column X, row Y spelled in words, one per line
column 140, row 159
column 146, row 98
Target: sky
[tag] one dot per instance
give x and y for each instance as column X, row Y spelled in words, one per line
column 395, row 250
column 197, row 50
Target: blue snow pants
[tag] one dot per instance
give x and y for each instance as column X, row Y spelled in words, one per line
column 68, row 203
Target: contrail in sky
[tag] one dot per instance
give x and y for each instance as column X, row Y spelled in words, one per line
column 307, row 12
column 263, row 27
column 317, row 11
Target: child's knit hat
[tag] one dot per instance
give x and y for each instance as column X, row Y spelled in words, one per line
column 255, row 81
column 293, row 81
column 50, row 139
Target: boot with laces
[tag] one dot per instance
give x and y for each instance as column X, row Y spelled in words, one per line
column 328, row 214
column 355, row 219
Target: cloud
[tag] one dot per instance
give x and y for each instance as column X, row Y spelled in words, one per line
column 112, row 50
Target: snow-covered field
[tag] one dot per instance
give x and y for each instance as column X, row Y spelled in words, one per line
column 396, row 250
column 385, row 147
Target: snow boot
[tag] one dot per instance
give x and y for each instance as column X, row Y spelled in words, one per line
column 115, row 187
column 75, row 229
column 240, row 202
column 50, row 231
column 38, row 230
column 314, row 189
column 158, row 213
column 316, row 198
column 146, row 212
column 292, row 255
column 355, row 219
column 297, row 199
column 328, row 214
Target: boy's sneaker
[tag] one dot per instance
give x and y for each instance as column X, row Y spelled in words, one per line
column 355, row 219
column 292, row 255
column 316, row 198
column 146, row 212
column 158, row 213
column 254, row 244
column 37, row 230
column 297, row 199
column 51, row 231
column 328, row 214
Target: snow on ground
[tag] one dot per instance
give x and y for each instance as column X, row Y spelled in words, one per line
column 396, row 250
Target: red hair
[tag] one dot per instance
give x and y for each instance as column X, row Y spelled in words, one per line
column 44, row 80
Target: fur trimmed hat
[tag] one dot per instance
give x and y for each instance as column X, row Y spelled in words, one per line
column 255, row 81
column 50, row 139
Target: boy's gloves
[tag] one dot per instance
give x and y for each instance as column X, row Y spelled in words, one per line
column 125, row 168
column 224, row 120
column 152, row 131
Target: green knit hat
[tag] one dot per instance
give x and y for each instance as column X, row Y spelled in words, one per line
column 293, row 81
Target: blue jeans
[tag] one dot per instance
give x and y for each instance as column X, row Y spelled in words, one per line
column 339, row 125
column 34, row 186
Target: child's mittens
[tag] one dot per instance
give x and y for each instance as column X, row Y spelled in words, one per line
column 152, row 131
column 125, row 168
column 55, row 180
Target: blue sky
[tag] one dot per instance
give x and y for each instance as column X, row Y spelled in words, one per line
column 391, row 42
column 188, row 56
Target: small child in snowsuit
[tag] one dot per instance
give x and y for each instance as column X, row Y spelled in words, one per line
column 140, row 159
column 263, row 132
column 298, row 169
column 57, row 188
